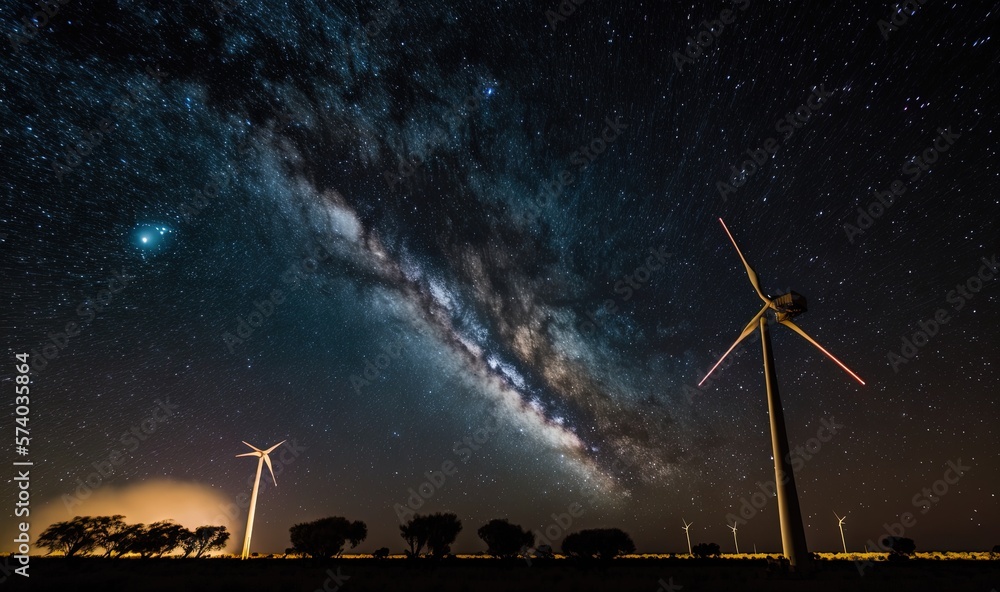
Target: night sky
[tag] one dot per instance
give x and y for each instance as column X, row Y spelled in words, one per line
column 377, row 229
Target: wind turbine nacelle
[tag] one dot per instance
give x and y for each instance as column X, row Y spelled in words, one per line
column 789, row 305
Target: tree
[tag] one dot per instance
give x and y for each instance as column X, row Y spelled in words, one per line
column 899, row 546
column 381, row 553
column 76, row 536
column 159, row 538
column 204, row 539
column 603, row 543
column 114, row 536
column 436, row 531
column 706, row 550
column 504, row 539
column 325, row 537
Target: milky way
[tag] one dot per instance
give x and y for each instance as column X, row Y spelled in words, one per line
column 377, row 228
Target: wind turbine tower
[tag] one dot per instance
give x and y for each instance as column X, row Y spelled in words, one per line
column 687, row 534
column 263, row 457
column 733, row 528
column 840, row 522
column 784, row 308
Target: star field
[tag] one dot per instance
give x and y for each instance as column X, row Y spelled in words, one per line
column 378, row 229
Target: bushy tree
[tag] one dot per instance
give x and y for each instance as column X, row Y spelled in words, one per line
column 159, row 538
column 706, row 550
column 602, row 543
column 504, row 539
column 72, row 537
column 436, row 531
column 381, row 553
column 325, row 537
column 114, row 535
column 204, row 539
column 900, row 546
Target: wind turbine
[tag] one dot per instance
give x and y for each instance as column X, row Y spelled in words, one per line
column 733, row 528
column 840, row 522
column 687, row 534
column 785, row 307
column 264, row 458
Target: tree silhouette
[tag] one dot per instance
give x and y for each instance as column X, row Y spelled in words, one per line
column 204, row 539
column 899, row 546
column 706, row 550
column 603, row 543
column 436, row 531
column 115, row 536
column 159, row 538
column 325, row 537
column 504, row 539
column 72, row 537
column 381, row 553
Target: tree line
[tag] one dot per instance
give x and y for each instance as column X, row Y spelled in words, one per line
column 85, row 534
column 429, row 535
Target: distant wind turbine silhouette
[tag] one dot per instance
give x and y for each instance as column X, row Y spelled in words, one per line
column 786, row 306
column 840, row 522
column 733, row 528
column 687, row 534
column 264, row 458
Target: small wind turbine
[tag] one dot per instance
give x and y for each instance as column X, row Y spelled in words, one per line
column 264, row 458
column 687, row 534
column 840, row 522
column 785, row 307
column 733, row 528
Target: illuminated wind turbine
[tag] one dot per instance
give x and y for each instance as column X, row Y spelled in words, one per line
column 733, row 528
column 785, row 307
column 840, row 522
column 687, row 534
column 264, row 458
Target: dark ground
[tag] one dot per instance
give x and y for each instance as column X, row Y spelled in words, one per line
column 474, row 575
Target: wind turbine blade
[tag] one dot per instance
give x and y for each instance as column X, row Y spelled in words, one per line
column 267, row 459
column 746, row 333
column 268, row 451
column 798, row 330
column 251, row 446
column 249, row 454
column 750, row 272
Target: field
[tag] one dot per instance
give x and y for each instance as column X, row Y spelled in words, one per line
column 925, row 572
